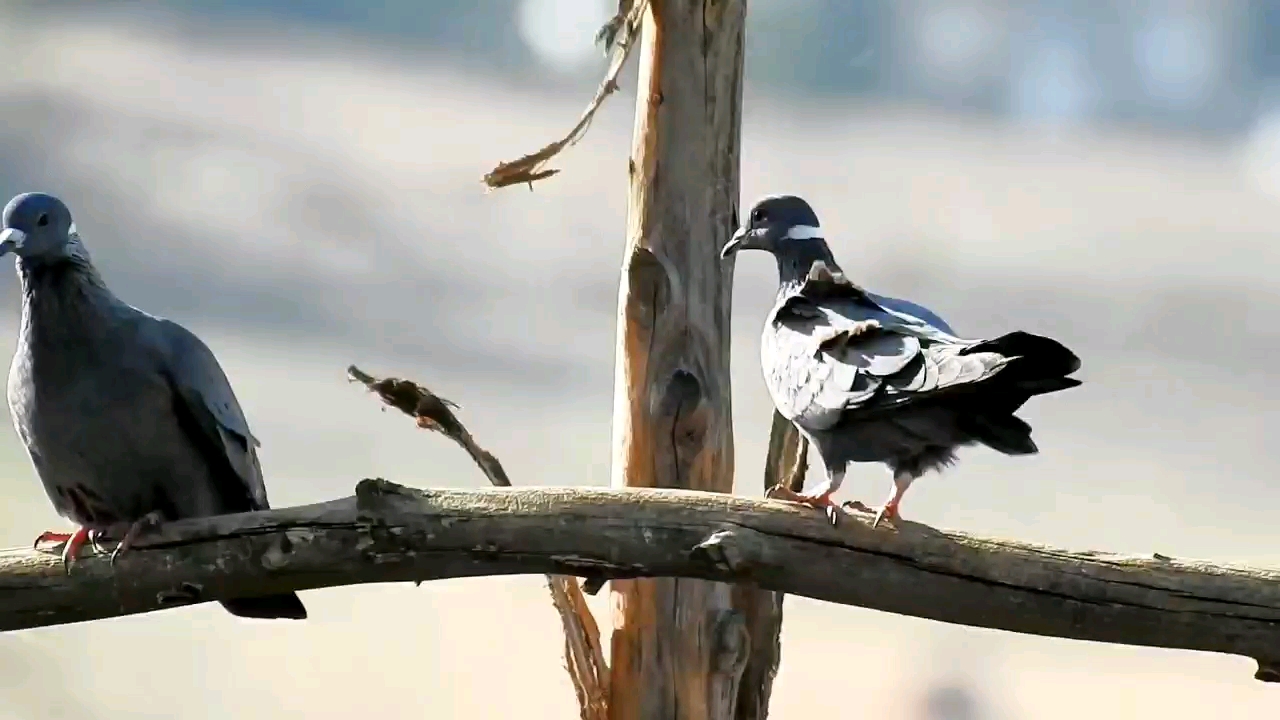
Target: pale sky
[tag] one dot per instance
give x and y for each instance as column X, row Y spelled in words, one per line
column 307, row 202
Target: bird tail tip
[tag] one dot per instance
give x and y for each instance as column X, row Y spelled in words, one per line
column 1035, row 356
column 268, row 607
column 1007, row 434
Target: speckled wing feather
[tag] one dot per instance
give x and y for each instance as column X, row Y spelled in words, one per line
column 829, row 349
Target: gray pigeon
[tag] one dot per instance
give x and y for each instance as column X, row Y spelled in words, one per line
column 872, row 379
column 128, row 418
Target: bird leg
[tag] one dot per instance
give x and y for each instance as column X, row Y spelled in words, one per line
column 95, row 541
column 72, row 543
column 147, row 522
column 819, row 497
column 901, row 481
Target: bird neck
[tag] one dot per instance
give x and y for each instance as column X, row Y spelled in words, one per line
column 66, row 297
column 800, row 255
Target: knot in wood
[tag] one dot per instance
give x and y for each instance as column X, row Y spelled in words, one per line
column 280, row 552
column 723, row 551
column 375, row 494
column 731, row 643
column 648, row 288
column 185, row 594
column 683, row 405
column 489, row 551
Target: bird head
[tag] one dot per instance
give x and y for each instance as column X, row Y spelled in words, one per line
column 36, row 226
column 773, row 222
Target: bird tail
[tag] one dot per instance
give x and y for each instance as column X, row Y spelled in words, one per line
column 1040, row 365
column 1003, row 432
column 268, row 607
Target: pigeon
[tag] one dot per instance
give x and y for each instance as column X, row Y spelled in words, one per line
column 871, row 379
column 127, row 417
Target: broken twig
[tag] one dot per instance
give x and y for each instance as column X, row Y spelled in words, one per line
column 583, row 654
column 618, row 35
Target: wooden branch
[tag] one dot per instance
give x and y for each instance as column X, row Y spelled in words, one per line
column 387, row 533
column 584, row 657
column 679, row 647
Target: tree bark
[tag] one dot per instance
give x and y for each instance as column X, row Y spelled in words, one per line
column 679, row 646
column 388, row 533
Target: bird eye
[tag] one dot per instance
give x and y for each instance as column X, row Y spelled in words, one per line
column 758, row 217
column 42, row 220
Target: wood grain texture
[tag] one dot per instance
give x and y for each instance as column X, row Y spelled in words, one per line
column 679, row 646
column 387, row 533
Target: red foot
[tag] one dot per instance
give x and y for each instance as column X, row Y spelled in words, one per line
column 72, row 543
column 820, row 502
column 51, row 536
column 888, row 512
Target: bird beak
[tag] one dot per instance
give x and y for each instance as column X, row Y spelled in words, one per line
column 736, row 243
column 11, row 240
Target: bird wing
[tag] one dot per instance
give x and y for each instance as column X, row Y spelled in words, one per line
column 830, row 349
column 915, row 310
column 206, row 397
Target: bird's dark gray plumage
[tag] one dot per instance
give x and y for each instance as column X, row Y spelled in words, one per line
column 127, row 417
column 872, row 379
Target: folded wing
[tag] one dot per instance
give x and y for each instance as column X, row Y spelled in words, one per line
column 206, row 397
column 830, row 350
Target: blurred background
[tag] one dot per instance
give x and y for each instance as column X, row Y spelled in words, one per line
column 299, row 183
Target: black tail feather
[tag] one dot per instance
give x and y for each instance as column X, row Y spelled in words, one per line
column 1046, row 385
column 268, row 607
column 1040, row 366
column 1038, row 357
column 1008, row 434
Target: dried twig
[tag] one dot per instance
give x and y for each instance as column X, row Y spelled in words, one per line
column 432, row 412
column 607, row 35
column 618, row 36
column 583, row 653
column 584, row 656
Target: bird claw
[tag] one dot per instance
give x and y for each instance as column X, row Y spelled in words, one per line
column 888, row 512
column 95, row 542
column 857, row 506
column 147, row 522
column 782, row 492
column 833, row 514
column 72, row 543
column 821, row 502
column 58, row 538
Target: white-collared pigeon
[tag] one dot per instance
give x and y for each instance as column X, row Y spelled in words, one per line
column 128, row 418
column 873, row 379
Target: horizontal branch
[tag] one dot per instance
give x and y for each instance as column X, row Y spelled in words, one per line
column 388, row 533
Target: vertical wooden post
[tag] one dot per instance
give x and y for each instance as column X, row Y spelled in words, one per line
column 679, row 646
column 785, row 464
